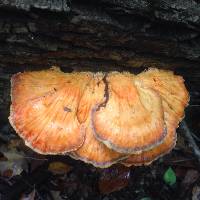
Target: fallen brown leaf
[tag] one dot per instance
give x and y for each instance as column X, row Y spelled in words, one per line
column 14, row 161
column 114, row 179
column 59, row 168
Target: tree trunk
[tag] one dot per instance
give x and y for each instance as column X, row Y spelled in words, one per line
column 99, row 35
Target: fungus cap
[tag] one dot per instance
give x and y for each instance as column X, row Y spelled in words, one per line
column 99, row 118
column 147, row 157
column 169, row 86
column 43, row 110
column 172, row 91
column 131, row 119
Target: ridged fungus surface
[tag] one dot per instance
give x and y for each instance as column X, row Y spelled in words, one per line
column 99, row 118
column 132, row 119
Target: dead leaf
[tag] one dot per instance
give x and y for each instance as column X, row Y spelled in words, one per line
column 7, row 173
column 59, row 168
column 15, row 162
column 114, row 179
column 190, row 178
column 196, row 193
column 30, row 196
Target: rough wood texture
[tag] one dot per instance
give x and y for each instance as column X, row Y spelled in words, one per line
column 131, row 33
column 96, row 35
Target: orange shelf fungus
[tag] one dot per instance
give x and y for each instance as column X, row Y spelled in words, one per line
column 174, row 99
column 170, row 87
column 147, row 157
column 132, row 119
column 99, row 118
column 44, row 107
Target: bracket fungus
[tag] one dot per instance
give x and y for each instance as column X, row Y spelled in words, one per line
column 99, row 118
column 135, row 121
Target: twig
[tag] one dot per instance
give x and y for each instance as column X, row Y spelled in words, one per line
column 32, row 158
column 188, row 135
column 182, row 160
column 195, row 137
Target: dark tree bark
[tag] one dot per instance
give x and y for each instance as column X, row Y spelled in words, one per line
column 99, row 35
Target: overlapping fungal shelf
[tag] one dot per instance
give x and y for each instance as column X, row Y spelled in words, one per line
column 99, row 118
